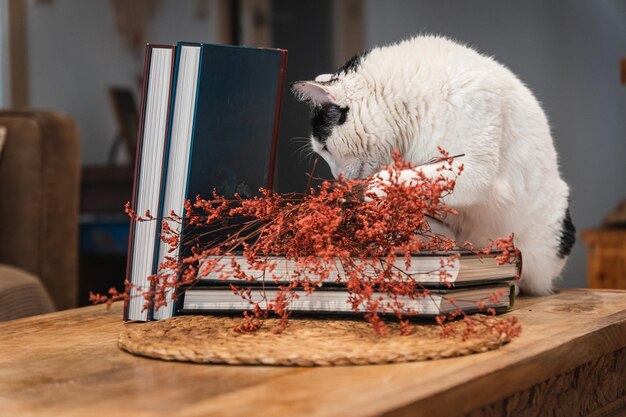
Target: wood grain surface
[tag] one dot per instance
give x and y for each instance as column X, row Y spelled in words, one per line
column 68, row 364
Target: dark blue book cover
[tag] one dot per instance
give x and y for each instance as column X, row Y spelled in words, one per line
column 236, row 120
column 232, row 143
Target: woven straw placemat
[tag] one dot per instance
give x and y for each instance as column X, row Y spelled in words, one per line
column 305, row 342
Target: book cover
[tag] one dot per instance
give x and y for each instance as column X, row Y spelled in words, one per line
column 236, row 120
column 224, row 126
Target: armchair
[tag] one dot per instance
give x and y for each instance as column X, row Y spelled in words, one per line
column 39, row 195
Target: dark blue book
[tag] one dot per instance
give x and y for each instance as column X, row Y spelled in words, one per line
column 223, row 127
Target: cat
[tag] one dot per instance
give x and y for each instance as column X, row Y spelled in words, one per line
column 428, row 92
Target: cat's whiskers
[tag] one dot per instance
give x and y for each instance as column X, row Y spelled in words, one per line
column 305, row 147
column 301, row 139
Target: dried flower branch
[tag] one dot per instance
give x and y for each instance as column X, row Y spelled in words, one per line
column 341, row 227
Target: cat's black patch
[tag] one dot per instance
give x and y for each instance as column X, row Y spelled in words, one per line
column 353, row 63
column 568, row 235
column 325, row 117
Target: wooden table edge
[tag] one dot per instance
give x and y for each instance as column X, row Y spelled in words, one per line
column 613, row 333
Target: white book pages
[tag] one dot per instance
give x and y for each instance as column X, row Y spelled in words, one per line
column 149, row 185
column 179, row 151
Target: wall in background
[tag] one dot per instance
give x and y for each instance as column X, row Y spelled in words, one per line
column 568, row 54
column 76, row 53
column 304, row 28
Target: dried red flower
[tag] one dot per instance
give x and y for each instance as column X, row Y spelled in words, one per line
column 342, row 221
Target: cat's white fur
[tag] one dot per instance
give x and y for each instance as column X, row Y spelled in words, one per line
column 429, row 91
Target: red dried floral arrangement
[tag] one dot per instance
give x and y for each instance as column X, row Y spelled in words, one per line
column 342, row 221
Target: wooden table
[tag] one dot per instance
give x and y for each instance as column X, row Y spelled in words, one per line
column 569, row 361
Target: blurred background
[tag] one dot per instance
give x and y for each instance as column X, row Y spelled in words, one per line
column 85, row 59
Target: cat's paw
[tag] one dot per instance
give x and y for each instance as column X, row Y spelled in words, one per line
column 382, row 179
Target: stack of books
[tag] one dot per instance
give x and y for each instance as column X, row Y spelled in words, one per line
column 209, row 120
column 470, row 286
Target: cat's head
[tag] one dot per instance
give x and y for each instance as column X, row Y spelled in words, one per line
column 351, row 124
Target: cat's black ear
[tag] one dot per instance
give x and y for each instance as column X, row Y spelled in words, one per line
column 311, row 92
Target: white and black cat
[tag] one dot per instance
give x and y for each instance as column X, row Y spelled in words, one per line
column 429, row 91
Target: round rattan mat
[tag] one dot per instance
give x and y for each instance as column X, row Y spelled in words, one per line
column 305, row 342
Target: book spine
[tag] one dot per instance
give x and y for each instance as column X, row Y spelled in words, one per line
column 137, row 168
column 512, row 295
column 519, row 265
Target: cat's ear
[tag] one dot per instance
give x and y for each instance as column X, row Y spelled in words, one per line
column 312, row 92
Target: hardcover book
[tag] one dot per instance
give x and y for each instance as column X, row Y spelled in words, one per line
column 462, row 268
column 470, row 279
column 223, row 127
column 337, row 300
column 149, row 165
